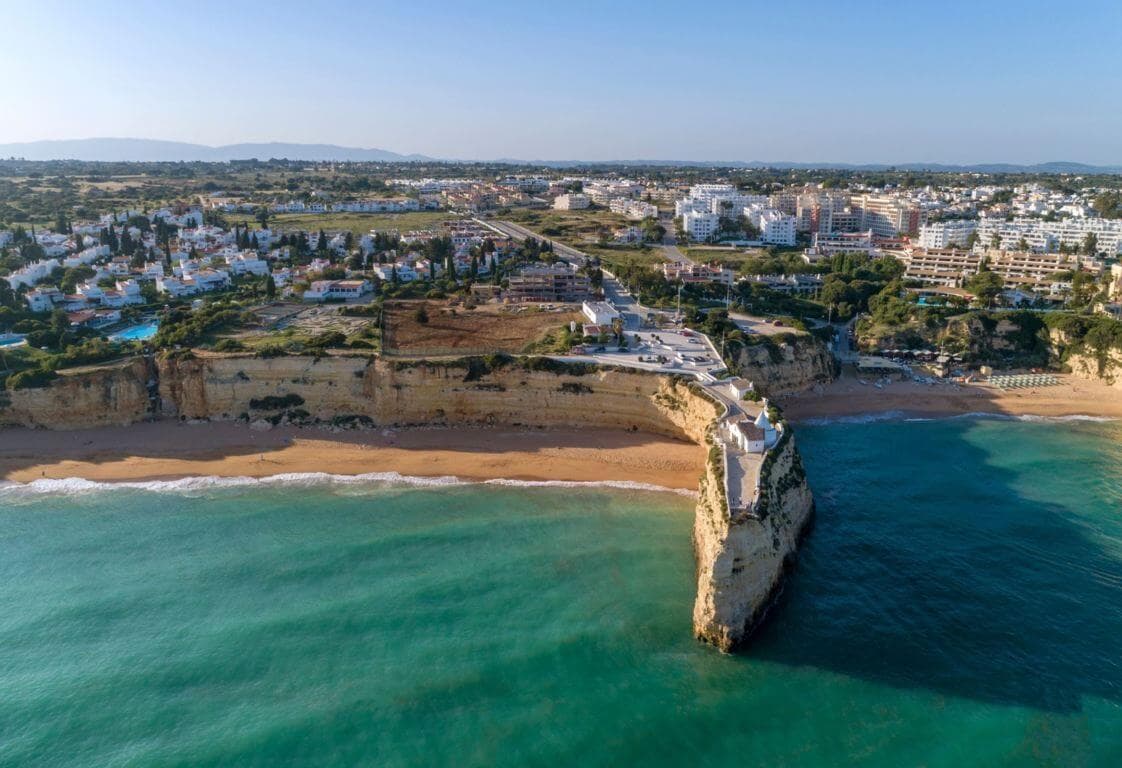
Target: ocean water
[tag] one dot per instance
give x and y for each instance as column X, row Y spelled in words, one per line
column 958, row 603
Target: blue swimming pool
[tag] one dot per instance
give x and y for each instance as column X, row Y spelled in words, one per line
column 11, row 340
column 137, row 332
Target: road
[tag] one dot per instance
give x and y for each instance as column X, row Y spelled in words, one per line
column 666, row 350
column 633, row 313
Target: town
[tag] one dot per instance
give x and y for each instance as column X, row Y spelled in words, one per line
column 880, row 258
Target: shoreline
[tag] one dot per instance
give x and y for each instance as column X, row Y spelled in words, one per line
column 846, row 397
column 154, row 452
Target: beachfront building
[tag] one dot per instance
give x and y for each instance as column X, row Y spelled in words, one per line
column 753, row 435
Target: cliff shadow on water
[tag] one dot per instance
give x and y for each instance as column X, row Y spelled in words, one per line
column 936, row 564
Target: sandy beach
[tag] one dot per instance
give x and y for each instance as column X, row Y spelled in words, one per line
column 170, row 450
column 848, row 397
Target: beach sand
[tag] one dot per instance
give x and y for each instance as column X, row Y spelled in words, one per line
column 171, row 450
column 848, row 397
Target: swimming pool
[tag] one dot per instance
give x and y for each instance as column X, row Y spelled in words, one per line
column 11, row 340
column 137, row 332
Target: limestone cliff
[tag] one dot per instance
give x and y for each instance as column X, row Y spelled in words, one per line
column 468, row 391
column 89, row 397
column 742, row 561
column 791, row 363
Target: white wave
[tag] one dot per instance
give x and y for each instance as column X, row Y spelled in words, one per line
column 622, row 485
column 72, row 486
column 1072, row 417
column 855, row 418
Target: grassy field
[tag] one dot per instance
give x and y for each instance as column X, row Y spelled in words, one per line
column 450, row 329
column 626, row 255
column 730, row 257
column 359, row 223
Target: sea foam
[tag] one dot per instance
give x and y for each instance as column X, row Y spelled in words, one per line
column 73, row 486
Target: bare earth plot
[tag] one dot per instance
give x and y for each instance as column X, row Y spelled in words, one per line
column 456, row 330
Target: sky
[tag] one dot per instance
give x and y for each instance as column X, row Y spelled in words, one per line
column 858, row 81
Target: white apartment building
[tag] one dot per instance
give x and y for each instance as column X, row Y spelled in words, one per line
column 247, row 263
column 636, row 210
column 954, row 233
column 776, row 227
column 33, row 273
column 701, row 226
column 381, row 205
column 574, row 201
column 1042, row 235
column 405, row 273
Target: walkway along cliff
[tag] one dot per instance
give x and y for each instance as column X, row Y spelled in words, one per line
column 744, row 540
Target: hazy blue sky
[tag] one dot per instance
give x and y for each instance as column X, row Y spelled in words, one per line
column 859, row 81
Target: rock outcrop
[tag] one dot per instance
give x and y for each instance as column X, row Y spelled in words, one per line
column 96, row 396
column 792, row 364
column 741, row 559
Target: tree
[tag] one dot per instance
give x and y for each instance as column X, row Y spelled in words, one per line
column 421, row 315
column 262, row 217
column 1090, row 244
column 270, row 287
column 986, row 286
column 971, row 240
column 995, row 241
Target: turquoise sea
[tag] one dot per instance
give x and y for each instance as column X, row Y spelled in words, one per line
column 958, row 603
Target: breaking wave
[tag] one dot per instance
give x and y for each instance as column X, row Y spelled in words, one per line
column 73, row 486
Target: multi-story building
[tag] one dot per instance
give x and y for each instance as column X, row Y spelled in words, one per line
column 636, row 210
column 697, row 273
column 826, row 244
column 776, row 227
column 1041, row 235
column 573, row 201
column 701, row 226
column 947, row 234
column 888, row 216
column 556, row 283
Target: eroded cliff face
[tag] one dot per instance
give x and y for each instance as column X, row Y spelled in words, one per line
column 743, row 561
column 1085, row 361
column 97, row 396
column 455, row 392
column 787, row 367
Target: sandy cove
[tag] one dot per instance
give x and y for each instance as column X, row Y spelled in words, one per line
column 848, row 397
column 170, row 450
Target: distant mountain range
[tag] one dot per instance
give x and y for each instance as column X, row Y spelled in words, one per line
column 154, row 151
column 150, row 150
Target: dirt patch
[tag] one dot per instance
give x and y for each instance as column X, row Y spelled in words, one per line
column 484, row 329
